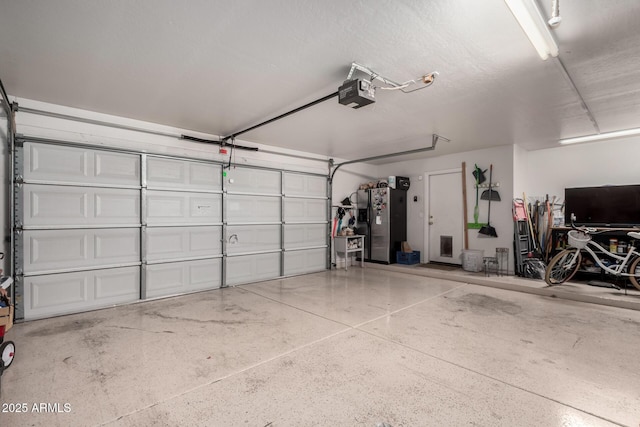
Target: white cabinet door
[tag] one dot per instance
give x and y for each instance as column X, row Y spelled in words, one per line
column 180, row 208
column 183, row 175
column 254, row 181
column 305, row 210
column 252, row 209
column 54, row 294
column 252, row 268
column 54, row 206
column 296, row 184
column 72, row 165
column 181, row 243
column 306, row 261
column 182, row 277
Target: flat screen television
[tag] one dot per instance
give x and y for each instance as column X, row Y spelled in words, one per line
column 607, row 206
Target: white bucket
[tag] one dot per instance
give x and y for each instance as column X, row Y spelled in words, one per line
column 472, row 260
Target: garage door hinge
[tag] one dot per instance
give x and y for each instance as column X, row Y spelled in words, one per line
column 19, row 180
column 18, row 227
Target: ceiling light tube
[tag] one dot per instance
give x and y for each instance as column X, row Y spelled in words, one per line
column 534, row 26
column 601, row 136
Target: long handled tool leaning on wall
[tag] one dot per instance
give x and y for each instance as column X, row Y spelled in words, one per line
column 489, row 230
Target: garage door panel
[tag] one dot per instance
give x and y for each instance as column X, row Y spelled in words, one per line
column 251, row 209
column 46, row 250
column 252, row 238
column 257, row 181
column 304, row 235
column 183, row 174
column 175, row 243
column 205, row 274
column 112, row 245
column 169, row 207
column 116, row 168
column 115, row 205
column 252, row 268
column 305, row 210
column 48, row 205
column 52, row 249
column 305, row 185
column 59, row 164
column 117, row 283
column 53, row 294
column 180, row 277
column 305, row 261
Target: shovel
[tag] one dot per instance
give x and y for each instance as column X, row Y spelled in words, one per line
column 490, row 194
column 488, row 230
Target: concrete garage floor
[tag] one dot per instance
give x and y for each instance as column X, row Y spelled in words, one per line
column 335, row 348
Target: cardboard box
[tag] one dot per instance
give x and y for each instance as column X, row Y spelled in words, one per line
column 6, row 317
column 406, row 247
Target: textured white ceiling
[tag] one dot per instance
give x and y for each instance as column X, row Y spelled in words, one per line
column 221, row 66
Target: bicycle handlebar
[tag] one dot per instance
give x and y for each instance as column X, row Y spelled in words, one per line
column 584, row 229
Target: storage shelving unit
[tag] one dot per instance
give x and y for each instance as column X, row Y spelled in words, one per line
column 346, row 245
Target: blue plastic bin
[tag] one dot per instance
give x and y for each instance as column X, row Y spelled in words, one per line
column 408, row 258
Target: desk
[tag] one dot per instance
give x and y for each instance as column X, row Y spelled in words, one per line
column 348, row 244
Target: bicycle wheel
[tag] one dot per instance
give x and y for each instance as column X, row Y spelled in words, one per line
column 563, row 266
column 635, row 270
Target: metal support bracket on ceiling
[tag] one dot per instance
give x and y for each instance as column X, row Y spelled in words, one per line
column 426, row 79
column 434, row 140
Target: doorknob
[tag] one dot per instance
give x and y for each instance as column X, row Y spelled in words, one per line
column 430, row 219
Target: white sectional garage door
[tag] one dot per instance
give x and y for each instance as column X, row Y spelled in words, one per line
column 305, row 223
column 253, row 228
column 97, row 228
column 81, row 229
column 183, row 227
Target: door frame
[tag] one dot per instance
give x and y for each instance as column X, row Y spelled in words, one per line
column 427, row 184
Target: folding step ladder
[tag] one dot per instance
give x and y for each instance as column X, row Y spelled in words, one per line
column 522, row 243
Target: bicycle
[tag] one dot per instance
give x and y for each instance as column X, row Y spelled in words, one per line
column 564, row 265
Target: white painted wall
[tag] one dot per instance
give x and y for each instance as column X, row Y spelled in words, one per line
column 520, row 171
column 501, row 217
column 614, row 162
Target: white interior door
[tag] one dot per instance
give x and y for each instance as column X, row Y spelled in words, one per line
column 445, row 217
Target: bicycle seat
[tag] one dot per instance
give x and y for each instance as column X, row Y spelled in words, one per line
column 634, row 235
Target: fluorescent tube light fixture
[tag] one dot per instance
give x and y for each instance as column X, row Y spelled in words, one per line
column 601, row 136
column 534, row 26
